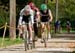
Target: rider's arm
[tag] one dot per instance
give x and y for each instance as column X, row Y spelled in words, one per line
column 20, row 21
column 51, row 17
column 20, row 18
column 38, row 16
column 22, row 12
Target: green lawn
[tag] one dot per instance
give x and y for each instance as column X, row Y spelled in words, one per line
column 8, row 42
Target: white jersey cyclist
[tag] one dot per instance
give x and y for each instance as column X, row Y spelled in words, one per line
column 26, row 15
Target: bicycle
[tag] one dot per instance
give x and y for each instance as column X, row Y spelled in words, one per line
column 27, row 39
column 45, row 33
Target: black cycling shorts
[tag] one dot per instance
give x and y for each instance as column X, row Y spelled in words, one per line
column 26, row 18
column 44, row 19
column 35, row 29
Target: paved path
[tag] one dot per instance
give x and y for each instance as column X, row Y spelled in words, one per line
column 53, row 46
column 57, row 43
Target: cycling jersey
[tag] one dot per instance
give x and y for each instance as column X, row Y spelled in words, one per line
column 68, row 23
column 26, row 18
column 45, row 16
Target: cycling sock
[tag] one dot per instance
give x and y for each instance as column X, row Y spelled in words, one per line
column 49, row 35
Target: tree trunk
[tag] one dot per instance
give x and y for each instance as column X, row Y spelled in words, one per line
column 46, row 1
column 56, row 10
column 12, row 19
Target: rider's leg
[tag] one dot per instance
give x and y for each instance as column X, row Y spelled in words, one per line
column 68, row 29
column 23, row 31
column 19, row 34
column 55, row 28
column 42, row 27
column 42, row 30
column 20, row 31
column 30, row 32
column 48, row 28
column 35, row 31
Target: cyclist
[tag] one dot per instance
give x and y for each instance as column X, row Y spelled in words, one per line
column 57, row 26
column 26, row 16
column 68, row 26
column 20, row 26
column 46, row 16
column 36, row 18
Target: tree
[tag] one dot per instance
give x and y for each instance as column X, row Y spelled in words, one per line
column 66, row 9
column 12, row 19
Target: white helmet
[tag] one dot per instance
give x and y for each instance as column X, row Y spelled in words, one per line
column 27, row 8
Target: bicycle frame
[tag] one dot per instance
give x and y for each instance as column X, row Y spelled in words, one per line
column 27, row 39
column 45, row 33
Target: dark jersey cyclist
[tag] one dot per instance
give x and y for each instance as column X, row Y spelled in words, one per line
column 46, row 16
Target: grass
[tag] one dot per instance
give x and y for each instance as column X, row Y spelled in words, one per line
column 8, row 42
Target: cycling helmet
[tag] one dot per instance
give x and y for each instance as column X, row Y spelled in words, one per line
column 27, row 9
column 32, row 5
column 43, row 7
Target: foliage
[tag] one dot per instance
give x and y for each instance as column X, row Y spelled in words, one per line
column 66, row 9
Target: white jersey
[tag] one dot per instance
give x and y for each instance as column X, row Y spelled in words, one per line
column 22, row 13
